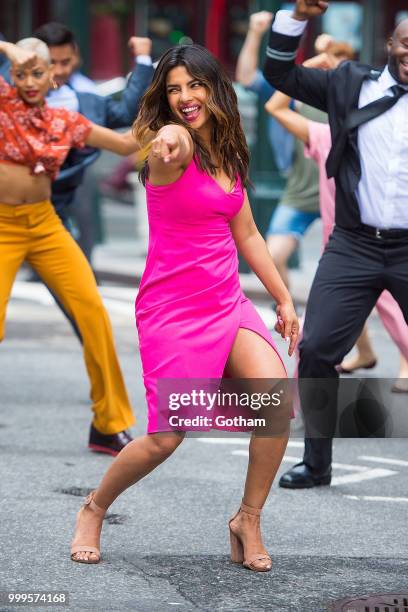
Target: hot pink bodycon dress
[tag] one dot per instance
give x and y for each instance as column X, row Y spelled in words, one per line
column 190, row 304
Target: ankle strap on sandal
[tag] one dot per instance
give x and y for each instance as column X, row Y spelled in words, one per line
column 89, row 501
column 250, row 509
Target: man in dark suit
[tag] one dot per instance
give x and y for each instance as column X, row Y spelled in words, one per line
column 368, row 249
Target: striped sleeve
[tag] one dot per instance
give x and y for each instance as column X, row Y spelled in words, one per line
column 281, row 56
column 280, row 70
column 289, row 32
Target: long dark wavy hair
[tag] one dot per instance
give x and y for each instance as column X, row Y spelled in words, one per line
column 227, row 136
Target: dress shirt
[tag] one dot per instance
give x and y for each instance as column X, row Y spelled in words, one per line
column 383, row 144
column 144, row 59
column 63, row 97
column 82, row 83
column 382, row 193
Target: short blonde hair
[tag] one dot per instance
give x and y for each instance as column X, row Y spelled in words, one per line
column 37, row 46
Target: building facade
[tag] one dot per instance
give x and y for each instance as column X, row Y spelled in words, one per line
column 220, row 25
column 103, row 27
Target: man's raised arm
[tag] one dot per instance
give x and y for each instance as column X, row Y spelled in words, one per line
column 305, row 84
column 122, row 113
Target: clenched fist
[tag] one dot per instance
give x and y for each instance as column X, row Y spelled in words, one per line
column 260, row 22
column 140, row 46
column 306, row 9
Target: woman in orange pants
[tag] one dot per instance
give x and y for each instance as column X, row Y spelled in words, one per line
column 34, row 141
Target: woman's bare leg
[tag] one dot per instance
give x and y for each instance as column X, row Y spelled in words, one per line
column 136, row 460
column 403, row 371
column 252, row 357
column 365, row 353
column 401, row 384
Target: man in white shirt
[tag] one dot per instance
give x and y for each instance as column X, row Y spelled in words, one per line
column 368, row 249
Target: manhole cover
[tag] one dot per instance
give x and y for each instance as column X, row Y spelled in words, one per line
column 383, row 602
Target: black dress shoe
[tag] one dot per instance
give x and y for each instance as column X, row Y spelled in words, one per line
column 111, row 444
column 301, row 476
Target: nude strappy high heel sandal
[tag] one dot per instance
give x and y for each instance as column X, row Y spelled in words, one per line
column 76, row 548
column 257, row 562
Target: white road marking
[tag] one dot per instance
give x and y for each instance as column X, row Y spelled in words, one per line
column 377, row 498
column 350, row 468
column 244, row 453
column 337, row 466
column 224, row 440
column 119, row 307
column 118, row 300
column 292, row 443
column 36, row 292
column 361, row 472
column 360, row 476
column 290, row 458
column 296, row 444
column 385, row 460
column 127, row 294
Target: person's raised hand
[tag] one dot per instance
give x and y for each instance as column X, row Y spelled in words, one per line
column 307, row 9
column 21, row 57
column 287, row 324
column 260, row 22
column 140, row 45
column 322, row 42
column 166, row 146
column 325, row 61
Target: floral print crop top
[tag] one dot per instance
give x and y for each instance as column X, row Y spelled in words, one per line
column 38, row 137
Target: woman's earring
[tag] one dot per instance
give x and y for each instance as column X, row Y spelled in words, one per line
column 53, row 84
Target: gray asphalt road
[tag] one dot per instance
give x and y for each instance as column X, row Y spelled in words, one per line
column 165, row 541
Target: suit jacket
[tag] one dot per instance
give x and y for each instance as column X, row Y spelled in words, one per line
column 105, row 111
column 336, row 92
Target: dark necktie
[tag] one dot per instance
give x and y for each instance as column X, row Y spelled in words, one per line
column 361, row 115
column 357, row 117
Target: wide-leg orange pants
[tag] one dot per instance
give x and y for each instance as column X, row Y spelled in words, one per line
column 34, row 232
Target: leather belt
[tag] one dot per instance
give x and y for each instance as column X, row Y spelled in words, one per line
column 383, row 233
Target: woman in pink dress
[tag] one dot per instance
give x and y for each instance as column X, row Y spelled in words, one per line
column 193, row 320
column 318, row 142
